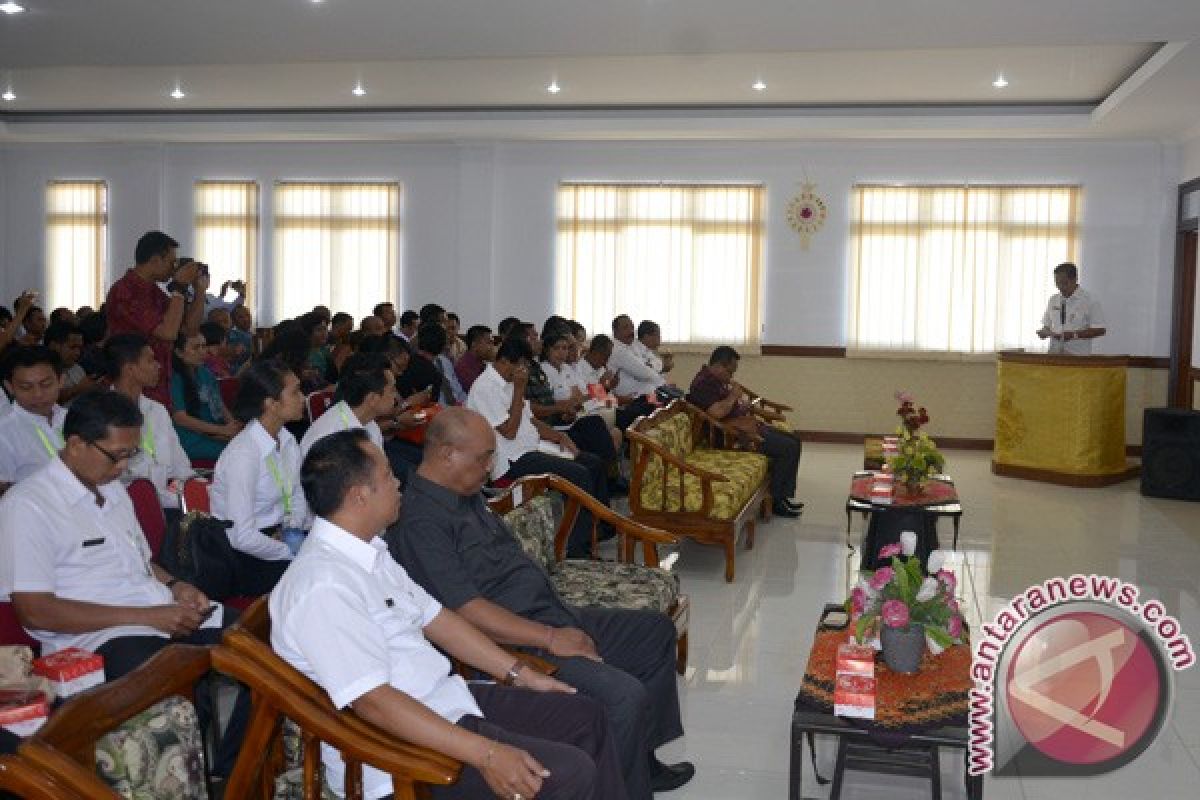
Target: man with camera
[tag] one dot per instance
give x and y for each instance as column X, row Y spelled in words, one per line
column 138, row 304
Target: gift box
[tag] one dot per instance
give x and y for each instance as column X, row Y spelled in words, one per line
column 23, row 711
column 71, row 671
column 854, row 696
column 597, row 392
column 855, row 659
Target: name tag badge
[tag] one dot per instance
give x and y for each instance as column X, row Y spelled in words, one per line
column 93, row 542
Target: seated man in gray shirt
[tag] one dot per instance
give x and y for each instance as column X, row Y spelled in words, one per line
column 461, row 553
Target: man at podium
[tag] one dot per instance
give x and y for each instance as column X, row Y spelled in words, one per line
column 1072, row 317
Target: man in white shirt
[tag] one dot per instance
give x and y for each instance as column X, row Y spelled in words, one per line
column 637, row 369
column 76, row 563
column 31, row 433
column 349, row 617
column 367, row 386
column 526, row 445
column 161, row 459
column 64, row 338
column 595, row 367
column 1072, row 317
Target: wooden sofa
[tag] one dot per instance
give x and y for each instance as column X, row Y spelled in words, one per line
column 542, row 523
column 686, row 482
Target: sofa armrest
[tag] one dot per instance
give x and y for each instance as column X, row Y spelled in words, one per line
column 728, row 431
column 631, row 532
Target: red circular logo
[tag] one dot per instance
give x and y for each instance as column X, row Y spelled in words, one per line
column 1085, row 688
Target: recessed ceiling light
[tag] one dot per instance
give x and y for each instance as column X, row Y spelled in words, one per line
column 1000, row 82
column 554, row 88
column 11, row 8
column 8, row 95
column 758, row 85
column 358, row 90
column 177, row 93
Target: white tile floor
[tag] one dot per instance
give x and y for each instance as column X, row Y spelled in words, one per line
column 750, row 639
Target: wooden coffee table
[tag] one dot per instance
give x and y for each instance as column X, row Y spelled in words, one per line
column 908, row 752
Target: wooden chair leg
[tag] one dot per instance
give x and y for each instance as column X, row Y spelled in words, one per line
column 729, row 555
column 751, row 527
column 681, row 653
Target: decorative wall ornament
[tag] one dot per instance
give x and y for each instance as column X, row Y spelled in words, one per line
column 806, row 212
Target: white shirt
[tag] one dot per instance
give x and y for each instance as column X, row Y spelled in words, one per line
column 5, row 404
column 245, row 492
column 491, row 396
column 22, row 449
column 1082, row 312
column 636, row 376
column 162, row 457
column 563, row 380
column 651, row 358
column 445, row 366
column 346, row 615
column 72, row 376
column 339, row 418
column 54, row 538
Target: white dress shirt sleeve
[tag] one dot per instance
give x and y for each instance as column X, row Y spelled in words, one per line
column 27, row 557
column 628, row 363
column 1095, row 315
column 239, row 477
column 488, row 400
column 349, row 658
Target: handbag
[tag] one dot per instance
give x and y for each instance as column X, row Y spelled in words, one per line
column 197, row 551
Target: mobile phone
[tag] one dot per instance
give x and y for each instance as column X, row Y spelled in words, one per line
column 210, row 611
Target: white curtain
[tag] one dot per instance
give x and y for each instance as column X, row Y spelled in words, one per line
column 226, row 232
column 336, row 244
column 76, row 243
column 952, row 268
column 688, row 257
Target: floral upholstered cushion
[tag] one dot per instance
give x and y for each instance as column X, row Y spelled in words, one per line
column 534, row 523
column 289, row 784
column 156, row 755
column 614, row 585
column 675, row 435
column 744, row 473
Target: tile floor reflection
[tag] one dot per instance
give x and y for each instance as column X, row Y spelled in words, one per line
column 750, row 639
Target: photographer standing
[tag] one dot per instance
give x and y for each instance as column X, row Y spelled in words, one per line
column 138, row 304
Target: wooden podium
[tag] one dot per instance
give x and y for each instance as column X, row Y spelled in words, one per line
column 1061, row 419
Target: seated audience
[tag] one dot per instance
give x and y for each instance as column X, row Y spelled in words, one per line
column 636, row 367
column 78, row 569
column 714, row 390
column 64, row 338
column 424, row 373
column 341, row 346
column 386, row 313
column 82, row 313
column 526, row 445
column 480, row 350
column 372, row 326
column 12, row 323
column 455, row 346
column 241, row 336
column 466, row 557
column 349, row 617
column 217, row 301
column 292, row 345
column 316, row 327
column 33, row 328
column 557, row 397
column 506, row 327
column 256, row 482
column 368, row 391
column 160, row 457
column 215, row 342
column 203, row 423
column 232, row 354
column 94, row 329
column 406, row 328
column 593, row 368
column 31, row 432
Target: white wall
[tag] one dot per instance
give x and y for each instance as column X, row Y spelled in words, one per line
column 1190, row 160
column 479, row 218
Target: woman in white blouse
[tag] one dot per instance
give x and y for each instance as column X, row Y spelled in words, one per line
column 256, row 486
column 560, row 356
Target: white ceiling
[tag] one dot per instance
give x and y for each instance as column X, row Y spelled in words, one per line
column 839, row 67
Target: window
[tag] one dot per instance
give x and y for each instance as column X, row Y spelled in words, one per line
column 336, row 244
column 952, row 268
column 76, row 243
column 226, row 227
column 688, row 257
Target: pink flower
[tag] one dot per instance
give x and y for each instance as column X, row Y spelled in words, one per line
column 895, row 614
column 890, row 550
column 882, row 577
column 955, row 628
column 947, row 578
column 903, row 397
column 952, row 604
column 858, row 600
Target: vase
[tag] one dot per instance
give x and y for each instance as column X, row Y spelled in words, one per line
column 903, row 648
column 914, row 486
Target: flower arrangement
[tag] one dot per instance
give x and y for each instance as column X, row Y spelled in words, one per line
column 904, row 595
column 917, row 456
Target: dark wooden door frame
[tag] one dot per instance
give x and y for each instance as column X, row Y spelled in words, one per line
column 1183, row 303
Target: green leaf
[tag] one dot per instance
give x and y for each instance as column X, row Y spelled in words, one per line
column 902, row 581
column 939, row 635
column 861, row 626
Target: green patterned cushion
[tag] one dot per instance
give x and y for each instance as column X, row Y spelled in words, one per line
column 534, row 523
column 745, row 472
column 615, row 585
column 289, row 784
column 156, row 755
column 675, row 435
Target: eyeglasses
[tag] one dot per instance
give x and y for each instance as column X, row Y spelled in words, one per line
column 117, row 458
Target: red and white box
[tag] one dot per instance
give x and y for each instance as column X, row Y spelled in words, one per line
column 71, row 670
column 23, row 711
column 883, row 487
column 854, row 683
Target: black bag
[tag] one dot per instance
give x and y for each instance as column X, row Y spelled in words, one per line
column 197, row 551
column 666, row 393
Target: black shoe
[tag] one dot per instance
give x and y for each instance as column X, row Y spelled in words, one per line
column 618, row 487
column 666, row 777
column 781, row 509
column 795, row 505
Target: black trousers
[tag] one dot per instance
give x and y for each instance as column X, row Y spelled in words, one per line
column 253, row 576
column 126, row 653
column 590, row 434
column 638, row 407
column 585, row 471
column 567, row 734
column 635, row 683
column 783, row 450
